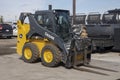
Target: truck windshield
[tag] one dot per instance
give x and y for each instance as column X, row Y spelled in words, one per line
column 63, row 25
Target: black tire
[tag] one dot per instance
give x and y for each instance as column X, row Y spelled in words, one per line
column 9, row 37
column 56, row 56
column 108, row 48
column 34, row 50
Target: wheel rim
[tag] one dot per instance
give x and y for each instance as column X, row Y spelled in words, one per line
column 28, row 53
column 48, row 56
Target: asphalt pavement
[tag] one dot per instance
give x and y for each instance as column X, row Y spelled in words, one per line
column 13, row 68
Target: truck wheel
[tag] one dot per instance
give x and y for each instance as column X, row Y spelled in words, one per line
column 9, row 37
column 108, row 48
column 50, row 56
column 30, row 53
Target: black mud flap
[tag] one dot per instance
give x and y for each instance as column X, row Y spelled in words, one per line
column 117, row 38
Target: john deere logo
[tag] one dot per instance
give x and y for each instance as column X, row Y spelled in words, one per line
column 50, row 36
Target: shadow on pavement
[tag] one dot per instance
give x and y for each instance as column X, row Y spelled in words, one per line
column 7, row 51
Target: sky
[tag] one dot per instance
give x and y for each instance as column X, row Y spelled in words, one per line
column 11, row 9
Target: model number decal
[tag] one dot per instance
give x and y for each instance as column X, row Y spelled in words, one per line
column 48, row 35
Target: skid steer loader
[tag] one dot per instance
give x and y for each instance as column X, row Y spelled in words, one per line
column 48, row 35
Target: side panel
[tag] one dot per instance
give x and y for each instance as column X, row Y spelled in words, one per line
column 23, row 29
column 102, row 35
column 99, row 31
column 117, row 38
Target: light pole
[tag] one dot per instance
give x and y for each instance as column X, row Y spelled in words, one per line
column 74, row 10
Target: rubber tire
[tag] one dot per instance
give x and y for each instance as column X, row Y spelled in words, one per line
column 35, row 53
column 108, row 48
column 9, row 37
column 56, row 56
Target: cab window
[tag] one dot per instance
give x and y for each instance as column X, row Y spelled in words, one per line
column 26, row 21
column 45, row 21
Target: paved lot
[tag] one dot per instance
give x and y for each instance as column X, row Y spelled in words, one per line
column 13, row 68
column 7, row 46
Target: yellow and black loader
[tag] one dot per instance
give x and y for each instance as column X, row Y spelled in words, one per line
column 48, row 35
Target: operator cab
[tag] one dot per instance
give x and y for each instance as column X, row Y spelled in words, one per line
column 56, row 21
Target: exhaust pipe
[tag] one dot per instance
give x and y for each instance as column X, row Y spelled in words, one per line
column 49, row 7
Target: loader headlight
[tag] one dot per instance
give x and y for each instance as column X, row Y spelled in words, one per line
column 77, row 29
